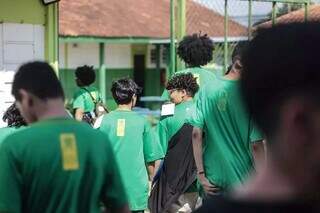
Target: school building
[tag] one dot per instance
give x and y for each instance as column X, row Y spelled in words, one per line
column 28, row 31
column 128, row 38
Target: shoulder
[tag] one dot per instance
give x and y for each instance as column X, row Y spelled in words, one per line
column 78, row 93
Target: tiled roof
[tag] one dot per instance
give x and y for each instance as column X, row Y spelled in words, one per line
column 297, row 16
column 138, row 18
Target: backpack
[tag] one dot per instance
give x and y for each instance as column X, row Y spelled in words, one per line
column 99, row 110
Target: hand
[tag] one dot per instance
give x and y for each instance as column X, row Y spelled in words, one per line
column 208, row 188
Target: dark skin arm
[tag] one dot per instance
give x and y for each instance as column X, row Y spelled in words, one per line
column 123, row 209
column 79, row 114
column 151, row 170
column 259, row 153
column 197, row 144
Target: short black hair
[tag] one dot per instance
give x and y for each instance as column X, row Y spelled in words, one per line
column 184, row 81
column 280, row 63
column 86, row 74
column 38, row 78
column 13, row 117
column 196, row 50
column 124, row 89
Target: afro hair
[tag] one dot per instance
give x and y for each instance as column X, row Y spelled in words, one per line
column 86, row 75
column 13, row 117
column 184, row 81
column 196, row 50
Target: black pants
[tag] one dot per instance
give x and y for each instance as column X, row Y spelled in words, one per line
column 139, row 211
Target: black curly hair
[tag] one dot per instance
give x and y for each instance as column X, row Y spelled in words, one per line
column 184, row 81
column 86, row 75
column 123, row 90
column 13, row 117
column 196, row 50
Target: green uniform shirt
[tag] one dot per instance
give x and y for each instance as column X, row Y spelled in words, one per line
column 170, row 125
column 58, row 165
column 135, row 144
column 203, row 78
column 83, row 100
column 5, row 132
column 220, row 112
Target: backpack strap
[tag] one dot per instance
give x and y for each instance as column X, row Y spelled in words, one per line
column 94, row 101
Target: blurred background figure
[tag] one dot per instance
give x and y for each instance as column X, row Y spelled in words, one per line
column 87, row 100
column 280, row 85
column 14, row 121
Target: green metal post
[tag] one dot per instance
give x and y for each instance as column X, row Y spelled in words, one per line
column 158, row 57
column 102, row 72
column 306, row 11
column 172, row 39
column 181, row 31
column 225, row 35
column 51, row 36
column 250, row 20
column 274, row 12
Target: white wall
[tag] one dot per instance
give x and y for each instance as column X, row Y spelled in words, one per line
column 118, row 56
column 19, row 43
column 80, row 54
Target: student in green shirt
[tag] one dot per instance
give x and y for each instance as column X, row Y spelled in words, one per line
column 83, row 100
column 172, row 190
column 134, row 142
column 196, row 51
column 14, row 120
column 57, row 164
column 224, row 159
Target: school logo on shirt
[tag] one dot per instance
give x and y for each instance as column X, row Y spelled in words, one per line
column 121, row 127
column 222, row 100
column 197, row 76
column 69, row 151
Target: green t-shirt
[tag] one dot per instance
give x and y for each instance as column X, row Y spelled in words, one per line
column 5, row 132
column 83, row 100
column 229, row 131
column 203, row 78
column 58, row 165
column 168, row 126
column 135, row 144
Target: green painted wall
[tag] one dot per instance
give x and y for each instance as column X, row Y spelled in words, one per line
column 22, row 11
column 152, row 85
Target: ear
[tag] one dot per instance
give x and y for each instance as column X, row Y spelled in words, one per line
column 184, row 93
column 26, row 98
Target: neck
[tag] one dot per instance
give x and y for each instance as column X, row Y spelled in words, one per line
column 52, row 108
column 126, row 107
column 268, row 185
column 188, row 98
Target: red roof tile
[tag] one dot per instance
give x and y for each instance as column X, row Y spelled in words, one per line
column 139, row 18
column 297, row 16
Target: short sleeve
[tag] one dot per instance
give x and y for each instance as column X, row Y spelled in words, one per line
column 115, row 194
column 78, row 102
column 196, row 117
column 162, row 132
column 10, row 180
column 152, row 149
column 256, row 134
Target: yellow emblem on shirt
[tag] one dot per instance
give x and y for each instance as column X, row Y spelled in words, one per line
column 121, row 127
column 197, row 76
column 69, row 151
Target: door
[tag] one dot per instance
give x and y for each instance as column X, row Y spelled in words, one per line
column 139, row 73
